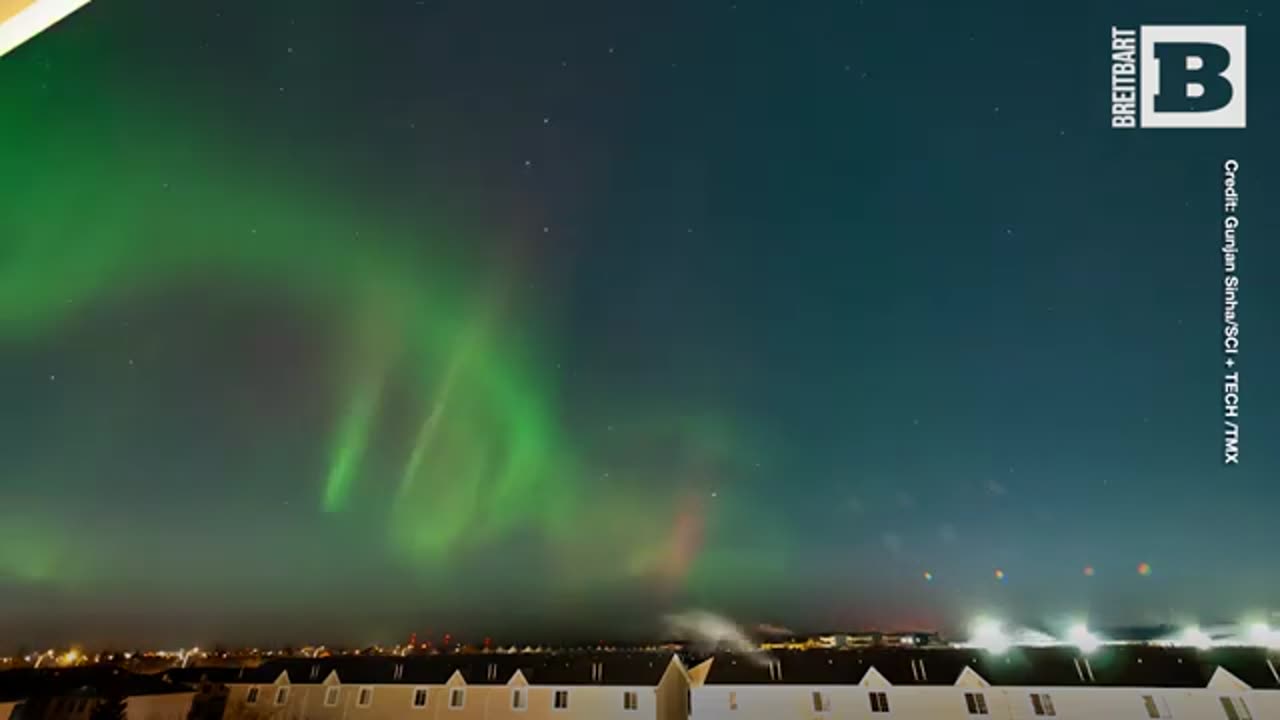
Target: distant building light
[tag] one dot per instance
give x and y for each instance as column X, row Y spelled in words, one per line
column 1262, row 635
column 1080, row 636
column 1195, row 637
column 988, row 635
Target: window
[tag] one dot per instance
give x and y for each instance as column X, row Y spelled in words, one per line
column 1156, row 707
column 976, row 702
column 821, row 703
column 252, row 697
column 282, row 695
column 1235, row 708
column 1042, row 704
column 331, row 696
column 879, row 702
column 630, row 700
column 365, row 698
column 733, row 700
column 560, row 701
column 420, row 697
column 517, row 700
column 457, row 698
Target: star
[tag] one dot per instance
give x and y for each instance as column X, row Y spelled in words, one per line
column 1231, row 362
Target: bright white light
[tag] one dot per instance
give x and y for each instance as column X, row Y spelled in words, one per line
column 1195, row 637
column 1262, row 635
column 988, row 635
column 1080, row 636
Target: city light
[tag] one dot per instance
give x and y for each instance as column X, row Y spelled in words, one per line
column 1080, row 636
column 1262, row 635
column 988, row 635
column 1196, row 638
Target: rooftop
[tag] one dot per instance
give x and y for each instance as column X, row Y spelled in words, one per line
column 1108, row 666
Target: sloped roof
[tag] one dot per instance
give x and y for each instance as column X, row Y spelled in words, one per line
column 1248, row 664
column 940, row 667
column 1142, row 666
column 197, row 675
column 803, row 667
column 1109, row 666
column 488, row 669
column 633, row 669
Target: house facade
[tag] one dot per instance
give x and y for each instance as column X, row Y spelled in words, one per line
column 604, row 686
column 1114, row 682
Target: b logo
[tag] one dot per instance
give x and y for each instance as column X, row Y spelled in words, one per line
column 1192, row 76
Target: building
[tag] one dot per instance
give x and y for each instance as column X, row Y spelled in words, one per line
column 72, row 693
column 1114, row 681
column 211, row 685
column 553, row 686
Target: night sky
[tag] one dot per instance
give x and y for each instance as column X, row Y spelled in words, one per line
column 332, row 321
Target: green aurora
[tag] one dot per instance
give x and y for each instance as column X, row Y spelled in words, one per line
column 125, row 199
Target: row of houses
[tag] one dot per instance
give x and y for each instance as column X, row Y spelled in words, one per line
column 1114, row 682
